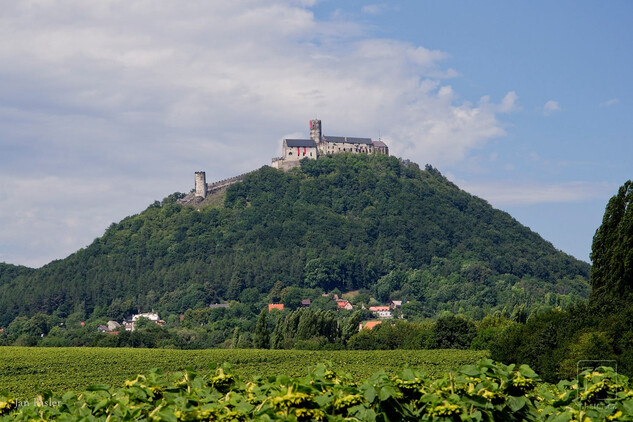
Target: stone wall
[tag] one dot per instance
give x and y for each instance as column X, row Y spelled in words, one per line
column 215, row 186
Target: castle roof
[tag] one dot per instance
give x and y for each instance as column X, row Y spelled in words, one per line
column 379, row 144
column 347, row 140
column 300, row 143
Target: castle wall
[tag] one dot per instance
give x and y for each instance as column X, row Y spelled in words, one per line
column 338, row 147
column 382, row 150
column 299, row 153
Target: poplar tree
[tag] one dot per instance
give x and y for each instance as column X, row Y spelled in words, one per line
column 262, row 336
column 612, row 249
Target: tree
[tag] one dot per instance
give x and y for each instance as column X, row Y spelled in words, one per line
column 350, row 325
column 291, row 297
column 144, row 323
column 236, row 338
column 453, row 332
column 277, row 337
column 612, row 249
column 323, row 273
column 262, row 336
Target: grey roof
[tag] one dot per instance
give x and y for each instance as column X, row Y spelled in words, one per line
column 294, row 143
column 348, row 140
column 218, row 305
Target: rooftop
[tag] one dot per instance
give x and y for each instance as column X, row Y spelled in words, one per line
column 370, row 324
column 348, row 140
column 300, row 143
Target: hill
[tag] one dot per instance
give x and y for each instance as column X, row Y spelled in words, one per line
column 8, row 272
column 344, row 222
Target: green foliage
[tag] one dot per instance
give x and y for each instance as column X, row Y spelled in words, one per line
column 61, row 369
column 553, row 342
column 612, row 249
column 262, row 336
column 345, row 222
column 306, row 324
column 453, row 332
column 392, row 336
column 485, row 391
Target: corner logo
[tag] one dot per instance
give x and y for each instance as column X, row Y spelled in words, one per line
column 597, row 382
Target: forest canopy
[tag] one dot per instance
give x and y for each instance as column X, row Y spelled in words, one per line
column 347, row 222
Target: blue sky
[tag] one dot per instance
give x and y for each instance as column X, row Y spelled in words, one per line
column 107, row 106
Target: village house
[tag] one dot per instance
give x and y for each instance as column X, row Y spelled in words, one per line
column 218, row 305
column 344, row 304
column 369, row 325
column 113, row 325
column 278, row 306
column 131, row 322
column 395, row 304
column 381, row 311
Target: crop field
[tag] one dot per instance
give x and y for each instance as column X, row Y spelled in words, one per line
column 26, row 371
column 486, row 391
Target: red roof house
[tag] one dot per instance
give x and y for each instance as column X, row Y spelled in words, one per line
column 344, row 304
column 368, row 325
column 272, row 306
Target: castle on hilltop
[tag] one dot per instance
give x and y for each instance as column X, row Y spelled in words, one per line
column 295, row 150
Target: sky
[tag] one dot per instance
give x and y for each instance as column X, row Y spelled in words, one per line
column 108, row 106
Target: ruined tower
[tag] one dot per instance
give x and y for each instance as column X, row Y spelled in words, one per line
column 315, row 131
column 201, row 184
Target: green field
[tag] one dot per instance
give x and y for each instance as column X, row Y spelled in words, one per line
column 25, row 371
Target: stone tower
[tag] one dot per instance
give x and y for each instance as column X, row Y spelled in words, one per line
column 201, row 184
column 315, row 131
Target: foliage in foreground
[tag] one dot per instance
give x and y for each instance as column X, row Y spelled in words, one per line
column 486, row 391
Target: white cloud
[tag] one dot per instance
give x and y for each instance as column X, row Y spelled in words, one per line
column 52, row 217
column 609, row 103
column 508, row 103
column 504, row 193
column 551, row 107
column 138, row 95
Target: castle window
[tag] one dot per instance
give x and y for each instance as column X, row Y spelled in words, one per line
column 289, row 152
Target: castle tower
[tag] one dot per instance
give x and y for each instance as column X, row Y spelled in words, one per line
column 201, row 184
column 315, row 131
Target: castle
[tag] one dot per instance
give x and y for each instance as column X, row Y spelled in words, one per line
column 293, row 151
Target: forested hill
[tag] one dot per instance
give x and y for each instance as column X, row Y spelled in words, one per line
column 345, row 222
column 8, row 272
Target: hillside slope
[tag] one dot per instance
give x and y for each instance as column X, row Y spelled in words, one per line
column 346, row 222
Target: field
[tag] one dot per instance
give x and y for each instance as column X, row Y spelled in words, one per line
column 25, row 371
column 485, row 391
